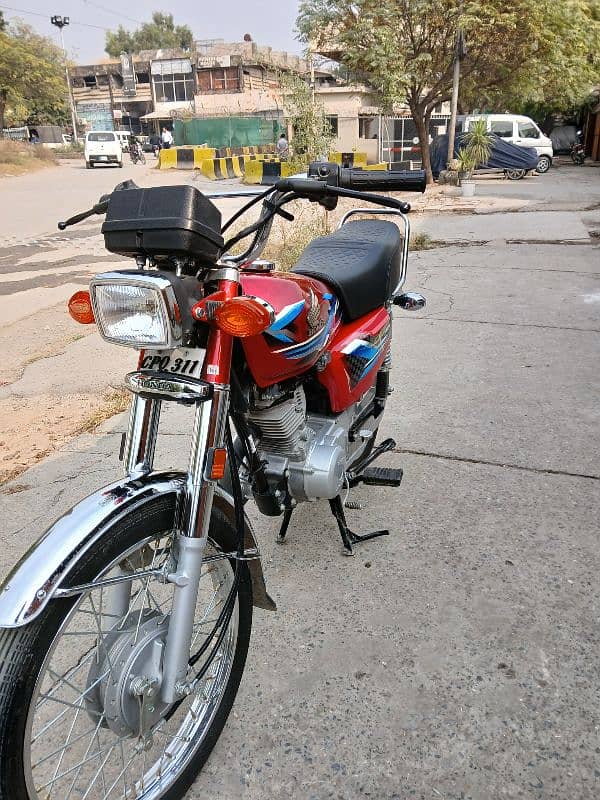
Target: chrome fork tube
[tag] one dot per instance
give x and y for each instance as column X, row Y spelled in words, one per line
column 140, row 441
column 138, row 459
column 194, row 523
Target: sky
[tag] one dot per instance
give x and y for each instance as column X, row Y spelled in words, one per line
column 269, row 22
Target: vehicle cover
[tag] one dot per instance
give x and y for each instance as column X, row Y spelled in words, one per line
column 563, row 137
column 504, row 155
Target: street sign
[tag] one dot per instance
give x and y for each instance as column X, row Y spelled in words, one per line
column 128, row 73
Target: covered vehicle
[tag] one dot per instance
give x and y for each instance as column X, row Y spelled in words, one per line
column 563, row 137
column 505, row 156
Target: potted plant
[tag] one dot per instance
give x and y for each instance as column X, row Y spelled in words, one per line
column 475, row 150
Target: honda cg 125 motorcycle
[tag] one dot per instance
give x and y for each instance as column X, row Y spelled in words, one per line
column 125, row 628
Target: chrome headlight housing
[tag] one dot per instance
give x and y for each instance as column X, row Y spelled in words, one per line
column 137, row 310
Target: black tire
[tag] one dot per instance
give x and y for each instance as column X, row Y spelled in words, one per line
column 543, row 165
column 514, row 174
column 88, row 165
column 23, row 651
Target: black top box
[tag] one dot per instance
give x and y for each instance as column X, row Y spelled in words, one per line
column 163, row 222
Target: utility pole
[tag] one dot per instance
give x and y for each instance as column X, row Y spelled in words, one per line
column 60, row 23
column 460, row 52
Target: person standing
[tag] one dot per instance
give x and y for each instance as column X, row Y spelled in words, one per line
column 167, row 138
column 283, row 147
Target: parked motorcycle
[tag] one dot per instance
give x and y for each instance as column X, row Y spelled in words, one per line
column 136, row 153
column 578, row 150
column 125, row 628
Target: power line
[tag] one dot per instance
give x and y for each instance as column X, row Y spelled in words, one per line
column 46, row 16
column 110, row 11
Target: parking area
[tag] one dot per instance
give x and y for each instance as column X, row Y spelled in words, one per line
column 458, row 657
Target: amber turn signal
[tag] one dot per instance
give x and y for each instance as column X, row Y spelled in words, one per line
column 243, row 316
column 218, row 460
column 80, row 308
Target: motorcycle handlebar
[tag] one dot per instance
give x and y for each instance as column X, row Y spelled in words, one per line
column 366, row 180
column 321, row 191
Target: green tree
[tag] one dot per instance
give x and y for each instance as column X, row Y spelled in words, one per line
column 32, row 79
column 312, row 134
column 160, row 33
column 517, row 52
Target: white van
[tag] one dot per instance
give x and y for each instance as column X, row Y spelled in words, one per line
column 102, row 147
column 521, row 131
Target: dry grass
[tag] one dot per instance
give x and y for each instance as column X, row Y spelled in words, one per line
column 289, row 239
column 69, row 151
column 114, row 402
column 19, row 157
column 421, row 241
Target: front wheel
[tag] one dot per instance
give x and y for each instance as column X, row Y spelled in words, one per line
column 73, row 722
column 544, row 164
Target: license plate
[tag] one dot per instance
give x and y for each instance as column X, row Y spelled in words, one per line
column 103, row 158
column 182, row 361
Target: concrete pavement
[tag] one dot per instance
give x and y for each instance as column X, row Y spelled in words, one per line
column 457, row 658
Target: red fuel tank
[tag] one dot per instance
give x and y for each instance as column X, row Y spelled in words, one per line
column 306, row 319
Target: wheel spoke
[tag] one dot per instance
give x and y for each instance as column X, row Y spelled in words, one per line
column 85, row 760
column 89, row 747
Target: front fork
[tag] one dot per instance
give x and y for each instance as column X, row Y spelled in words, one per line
column 193, row 514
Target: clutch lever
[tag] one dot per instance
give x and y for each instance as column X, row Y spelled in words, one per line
column 101, row 207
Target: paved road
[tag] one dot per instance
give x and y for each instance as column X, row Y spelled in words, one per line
column 458, row 658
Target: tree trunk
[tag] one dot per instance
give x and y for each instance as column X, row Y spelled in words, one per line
column 422, row 124
column 3, row 99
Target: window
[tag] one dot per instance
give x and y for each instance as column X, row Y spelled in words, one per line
column 142, row 77
column 502, row 128
column 333, row 124
column 367, row 128
column 101, row 137
column 219, row 79
column 527, row 130
column 89, row 81
column 102, row 80
column 173, row 80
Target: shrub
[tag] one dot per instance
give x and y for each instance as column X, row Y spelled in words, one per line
column 23, row 154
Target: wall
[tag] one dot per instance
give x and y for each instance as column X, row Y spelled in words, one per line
column 348, row 103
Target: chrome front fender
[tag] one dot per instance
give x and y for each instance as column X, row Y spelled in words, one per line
column 32, row 583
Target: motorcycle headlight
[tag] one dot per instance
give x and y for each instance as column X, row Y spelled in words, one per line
column 136, row 310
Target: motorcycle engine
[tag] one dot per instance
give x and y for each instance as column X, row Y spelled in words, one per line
column 307, row 454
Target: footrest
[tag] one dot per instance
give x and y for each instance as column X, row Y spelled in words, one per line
column 381, row 476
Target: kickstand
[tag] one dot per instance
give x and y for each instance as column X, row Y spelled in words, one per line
column 284, row 526
column 348, row 537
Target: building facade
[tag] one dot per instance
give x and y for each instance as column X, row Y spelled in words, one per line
column 149, row 90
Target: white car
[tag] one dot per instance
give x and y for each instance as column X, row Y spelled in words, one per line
column 521, row 131
column 102, row 147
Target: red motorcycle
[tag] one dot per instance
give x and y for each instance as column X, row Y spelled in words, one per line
column 125, row 628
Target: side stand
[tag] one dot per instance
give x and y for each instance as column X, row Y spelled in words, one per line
column 284, row 526
column 348, row 537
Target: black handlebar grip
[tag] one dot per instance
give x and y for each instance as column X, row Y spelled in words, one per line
column 368, row 180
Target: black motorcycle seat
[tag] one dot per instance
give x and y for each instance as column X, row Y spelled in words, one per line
column 360, row 261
